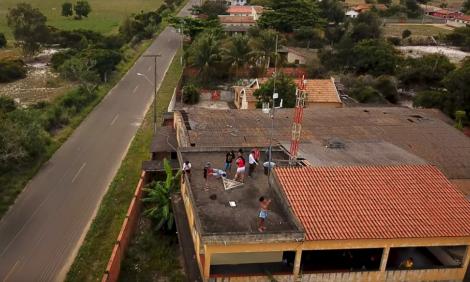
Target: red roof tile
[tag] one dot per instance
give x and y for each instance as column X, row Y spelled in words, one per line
column 239, row 10
column 375, row 202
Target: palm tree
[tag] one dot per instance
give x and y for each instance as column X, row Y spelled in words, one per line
column 159, row 198
column 265, row 46
column 237, row 53
column 205, row 54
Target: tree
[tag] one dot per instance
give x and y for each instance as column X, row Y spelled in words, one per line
column 387, row 86
column 82, row 71
column 82, row 9
column 287, row 15
column 466, row 7
column 412, row 8
column 158, row 197
column 430, row 99
column 374, row 57
column 366, row 94
column 237, row 53
column 406, row 33
column 366, row 26
column 29, row 27
column 211, row 8
column 204, row 54
column 191, row 94
column 67, row 9
column 460, row 37
column 3, row 40
column 309, row 37
column 105, row 61
column 264, row 45
column 428, row 70
column 193, row 26
column 457, row 84
column 285, row 87
column 332, row 10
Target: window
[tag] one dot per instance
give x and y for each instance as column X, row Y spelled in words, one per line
column 341, row 260
column 426, row 257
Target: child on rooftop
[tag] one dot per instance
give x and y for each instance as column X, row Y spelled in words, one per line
column 263, row 212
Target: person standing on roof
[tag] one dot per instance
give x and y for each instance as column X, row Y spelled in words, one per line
column 207, row 173
column 228, row 160
column 263, row 213
column 187, row 170
column 240, row 168
column 252, row 162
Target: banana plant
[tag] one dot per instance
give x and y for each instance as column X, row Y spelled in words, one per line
column 158, row 198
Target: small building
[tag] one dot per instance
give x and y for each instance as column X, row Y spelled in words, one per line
column 320, row 93
column 246, row 11
column 445, row 14
column 460, row 20
column 352, row 14
column 227, row 20
column 300, row 56
column 236, row 2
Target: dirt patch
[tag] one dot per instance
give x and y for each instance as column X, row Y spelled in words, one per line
column 40, row 84
column 453, row 54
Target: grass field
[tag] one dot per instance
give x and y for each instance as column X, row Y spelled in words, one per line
column 416, row 29
column 90, row 263
column 105, row 17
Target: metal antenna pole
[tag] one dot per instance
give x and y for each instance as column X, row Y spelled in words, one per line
column 155, row 91
column 270, row 157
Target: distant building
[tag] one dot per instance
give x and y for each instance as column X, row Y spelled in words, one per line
column 445, row 14
column 240, row 18
column 320, row 93
column 459, row 21
column 236, row 2
column 299, row 56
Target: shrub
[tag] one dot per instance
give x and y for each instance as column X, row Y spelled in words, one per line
column 191, row 94
column 406, row 33
column 387, row 85
column 394, row 40
column 11, row 70
column 430, row 99
column 366, row 94
column 7, row 104
column 3, row 40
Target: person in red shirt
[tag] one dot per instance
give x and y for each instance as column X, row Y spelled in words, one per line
column 240, row 168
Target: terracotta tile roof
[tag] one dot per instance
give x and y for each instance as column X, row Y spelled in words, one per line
column 236, row 19
column 321, row 91
column 239, row 10
column 375, row 202
column 463, row 17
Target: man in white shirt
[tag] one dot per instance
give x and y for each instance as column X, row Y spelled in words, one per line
column 252, row 163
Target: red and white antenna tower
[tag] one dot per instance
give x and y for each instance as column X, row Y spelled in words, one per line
column 298, row 117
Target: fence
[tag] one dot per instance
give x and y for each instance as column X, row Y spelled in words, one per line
column 426, row 20
column 132, row 217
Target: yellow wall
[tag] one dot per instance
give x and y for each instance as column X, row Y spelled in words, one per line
column 239, row 258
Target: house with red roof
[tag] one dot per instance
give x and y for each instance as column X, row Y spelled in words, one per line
column 240, row 18
column 320, row 93
column 372, row 196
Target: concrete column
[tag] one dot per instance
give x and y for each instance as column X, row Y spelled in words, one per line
column 466, row 258
column 383, row 263
column 298, row 258
column 207, row 263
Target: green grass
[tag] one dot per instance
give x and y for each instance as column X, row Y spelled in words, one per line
column 416, row 29
column 105, row 17
column 93, row 255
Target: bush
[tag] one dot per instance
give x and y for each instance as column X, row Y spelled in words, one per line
column 191, row 94
column 430, row 99
column 406, row 33
column 394, row 40
column 3, row 40
column 60, row 57
column 7, row 104
column 387, row 85
column 11, row 70
column 366, row 94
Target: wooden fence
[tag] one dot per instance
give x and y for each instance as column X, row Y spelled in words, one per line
column 128, row 227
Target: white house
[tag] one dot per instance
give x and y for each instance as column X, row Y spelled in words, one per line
column 352, row 14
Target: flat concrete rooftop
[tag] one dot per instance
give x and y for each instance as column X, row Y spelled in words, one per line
column 217, row 219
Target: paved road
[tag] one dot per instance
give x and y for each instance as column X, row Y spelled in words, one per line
column 40, row 235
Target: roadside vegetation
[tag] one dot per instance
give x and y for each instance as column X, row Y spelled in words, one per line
column 95, row 251
column 91, row 61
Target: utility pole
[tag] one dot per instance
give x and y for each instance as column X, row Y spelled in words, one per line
column 155, row 91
